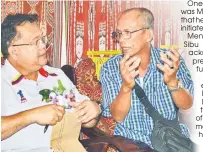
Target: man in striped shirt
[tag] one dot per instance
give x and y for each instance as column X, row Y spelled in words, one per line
column 162, row 74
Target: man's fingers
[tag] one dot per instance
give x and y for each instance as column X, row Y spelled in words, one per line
column 59, row 113
column 82, row 105
column 122, row 62
column 175, row 59
column 53, row 123
column 134, row 73
column 85, row 118
column 56, row 118
column 162, row 68
column 129, row 62
column 60, row 117
column 80, row 112
column 175, row 52
column 82, row 115
column 60, row 108
column 74, row 104
column 166, row 66
column 166, row 60
column 172, row 56
column 134, row 65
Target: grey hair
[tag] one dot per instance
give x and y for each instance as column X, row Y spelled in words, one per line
column 146, row 15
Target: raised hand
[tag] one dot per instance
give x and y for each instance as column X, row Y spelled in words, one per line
column 129, row 70
column 170, row 66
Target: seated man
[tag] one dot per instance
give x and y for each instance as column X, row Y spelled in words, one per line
column 33, row 94
column 162, row 74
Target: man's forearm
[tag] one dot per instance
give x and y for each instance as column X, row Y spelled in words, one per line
column 121, row 105
column 182, row 99
column 11, row 124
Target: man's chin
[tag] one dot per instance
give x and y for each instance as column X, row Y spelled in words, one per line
column 130, row 53
column 43, row 62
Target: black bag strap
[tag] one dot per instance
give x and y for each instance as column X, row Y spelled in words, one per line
column 151, row 111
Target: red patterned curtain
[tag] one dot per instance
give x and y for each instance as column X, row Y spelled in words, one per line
column 74, row 27
column 90, row 24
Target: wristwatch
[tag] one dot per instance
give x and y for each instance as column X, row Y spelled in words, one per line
column 179, row 87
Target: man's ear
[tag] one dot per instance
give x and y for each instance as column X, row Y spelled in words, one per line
column 13, row 52
column 149, row 35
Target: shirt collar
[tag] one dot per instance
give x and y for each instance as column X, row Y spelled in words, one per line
column 16, row 77
column 43, row 74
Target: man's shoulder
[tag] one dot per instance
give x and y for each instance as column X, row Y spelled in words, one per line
column 5, row 77
column 111, row 66
column 6, row 73
column 3, row 71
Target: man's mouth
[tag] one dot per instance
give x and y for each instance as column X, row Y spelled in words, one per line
column 125, row 49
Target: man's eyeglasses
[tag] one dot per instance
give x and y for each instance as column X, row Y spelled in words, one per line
column 38, row 43
column 116, row 35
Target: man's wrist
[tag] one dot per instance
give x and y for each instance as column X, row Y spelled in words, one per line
column 28, row 116
column 173, row 84
column 125, row 88
column 176, row 87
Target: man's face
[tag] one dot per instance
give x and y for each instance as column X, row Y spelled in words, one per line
column 138, row 40
column 33, row 56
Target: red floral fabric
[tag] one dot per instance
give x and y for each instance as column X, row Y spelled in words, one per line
column 86, row 80
column 87, row 84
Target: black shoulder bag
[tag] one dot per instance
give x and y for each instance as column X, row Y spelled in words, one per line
column 166, row 134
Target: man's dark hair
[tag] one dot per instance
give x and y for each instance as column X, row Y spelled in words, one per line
column 8, row 29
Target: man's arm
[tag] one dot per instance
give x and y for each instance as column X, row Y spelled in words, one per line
column 121, row 103
column 49, row 114
column 182, row 98
column 174, row 69
column 11, row 124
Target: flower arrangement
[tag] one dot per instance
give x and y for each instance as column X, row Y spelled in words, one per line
column 59, row 95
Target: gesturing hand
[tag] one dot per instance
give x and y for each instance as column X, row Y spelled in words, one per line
column 170, row 66
column 129, row 70
column 86, row 110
